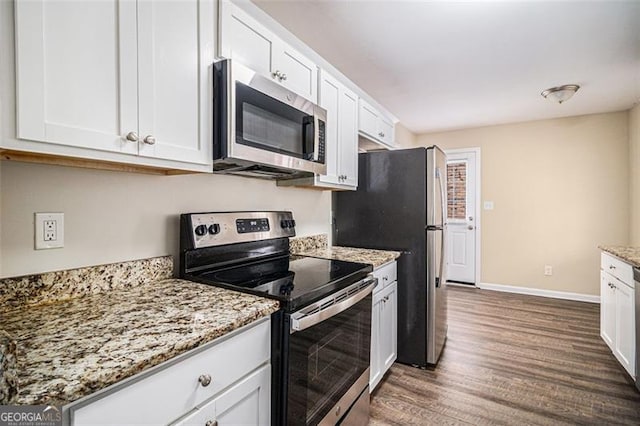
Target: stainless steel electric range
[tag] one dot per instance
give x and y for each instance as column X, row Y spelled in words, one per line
column 320, row 338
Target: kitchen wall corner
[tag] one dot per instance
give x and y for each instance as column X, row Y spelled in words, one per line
column 404, row 137
column 117, row 216
column 634, row 183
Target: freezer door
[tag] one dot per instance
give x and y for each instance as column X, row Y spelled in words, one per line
column 436, row 295
column 436, row 187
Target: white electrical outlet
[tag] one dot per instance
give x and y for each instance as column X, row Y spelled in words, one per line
column 548, row 270
column 49, row 230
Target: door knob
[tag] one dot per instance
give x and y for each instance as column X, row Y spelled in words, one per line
column 149, row 140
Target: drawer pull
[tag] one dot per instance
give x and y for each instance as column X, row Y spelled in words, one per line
column 211, row 423
column 612, row 267
column 204, row 380
column 385, row 278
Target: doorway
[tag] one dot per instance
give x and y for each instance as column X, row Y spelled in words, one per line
column 463, row 216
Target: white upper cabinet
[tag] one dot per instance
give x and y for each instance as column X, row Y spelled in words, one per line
column 76, row 73
column 244, row 39
column 122, row 77
column 341, row 137
column 348, row 158
column 175, row 51
column 373, row 125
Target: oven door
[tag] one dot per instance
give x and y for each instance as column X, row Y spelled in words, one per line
column 270, row 125
column 329, row 355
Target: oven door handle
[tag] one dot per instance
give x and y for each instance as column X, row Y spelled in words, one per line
column 301, row 321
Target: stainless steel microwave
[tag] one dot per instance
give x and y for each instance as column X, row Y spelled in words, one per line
column 261, row 129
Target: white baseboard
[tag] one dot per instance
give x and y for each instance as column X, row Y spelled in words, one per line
column 539, row 292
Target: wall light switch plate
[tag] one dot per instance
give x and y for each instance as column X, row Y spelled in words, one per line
column 49, row 230
column 488, row 205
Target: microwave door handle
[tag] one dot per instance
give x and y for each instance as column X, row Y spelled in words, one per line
column 301, row 322
column 316, row 138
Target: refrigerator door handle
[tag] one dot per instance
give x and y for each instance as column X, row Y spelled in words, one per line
column 443, row 203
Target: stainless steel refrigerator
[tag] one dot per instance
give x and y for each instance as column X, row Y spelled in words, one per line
column 400, row 205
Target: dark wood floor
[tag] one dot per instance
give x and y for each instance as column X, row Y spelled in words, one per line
column 512, row 360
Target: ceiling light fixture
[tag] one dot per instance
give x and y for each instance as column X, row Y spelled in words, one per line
column 560, row 94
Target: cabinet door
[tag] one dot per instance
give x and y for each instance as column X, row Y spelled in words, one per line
column 247, row 402
column 607, row 309
column 175, row 52
column 299, row 73
column 625, row 340
column 367, row 119
column 388, row 327
column 76, row 73
column 243, row 39
column 375, row 371
column 330, row 90
column 385, row 131
column 348, row 154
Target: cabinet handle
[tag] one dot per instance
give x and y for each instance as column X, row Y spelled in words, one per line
column 132, row 137
column 385, row 278
column 279, row 75
column 204, row 380
column 612, row 267
column 283, row 77
column 211, row 423
column 149, row 140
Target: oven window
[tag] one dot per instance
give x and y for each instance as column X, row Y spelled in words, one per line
column 325, row 361
column 266, row 123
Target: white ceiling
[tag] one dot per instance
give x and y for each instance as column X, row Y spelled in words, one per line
column 449, row 65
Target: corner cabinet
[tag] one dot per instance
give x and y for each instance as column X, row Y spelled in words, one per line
column 342, row 138
column 226, row 382
column 384, row 323
column 373, row 125
column 246, row 40
column 617, row 310
column 120, row 81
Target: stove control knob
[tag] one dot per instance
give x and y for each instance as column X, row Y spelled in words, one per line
column 214, row 229
column 293, row 223
column 284, row 224
column 201, row 230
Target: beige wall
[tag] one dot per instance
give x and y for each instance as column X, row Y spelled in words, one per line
column 404, row 137
column 560, row 188
column 634, row 186
column 115, row 216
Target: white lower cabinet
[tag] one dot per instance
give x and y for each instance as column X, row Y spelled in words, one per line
column 617, row 311
column 384, row 324
column 246, row 403
column 227, row 382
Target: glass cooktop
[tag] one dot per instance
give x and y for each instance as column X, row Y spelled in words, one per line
column 294, row 280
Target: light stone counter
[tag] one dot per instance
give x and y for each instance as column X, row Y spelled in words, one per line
column 61, row 349
column 628, row 254
column 316, row 246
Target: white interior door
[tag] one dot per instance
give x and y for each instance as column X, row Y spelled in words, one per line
column 461, row 216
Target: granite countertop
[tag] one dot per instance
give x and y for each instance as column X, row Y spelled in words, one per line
column 316, row 246
column 628, row 254
column 57, row 352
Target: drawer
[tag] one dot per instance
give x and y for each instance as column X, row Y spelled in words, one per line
column 175, row 389
column 618, row 268
column 386, row 275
